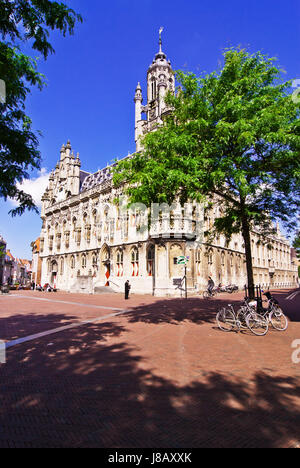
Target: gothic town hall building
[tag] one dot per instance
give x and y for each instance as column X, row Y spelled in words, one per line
column 89, row 245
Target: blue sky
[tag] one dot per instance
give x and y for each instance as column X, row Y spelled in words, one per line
column 92, row 77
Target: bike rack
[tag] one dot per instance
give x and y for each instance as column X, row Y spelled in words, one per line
column 256, row 296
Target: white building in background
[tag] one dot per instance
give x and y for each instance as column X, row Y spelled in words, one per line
column 13, row 270
column 2, row 260
column 88, row 243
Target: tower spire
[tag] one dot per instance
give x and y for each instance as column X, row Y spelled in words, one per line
column 160, row 80
column 160, row 40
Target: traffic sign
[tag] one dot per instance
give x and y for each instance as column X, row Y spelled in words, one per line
column 182, row 260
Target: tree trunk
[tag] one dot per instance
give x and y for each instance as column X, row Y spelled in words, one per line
column 247, row 240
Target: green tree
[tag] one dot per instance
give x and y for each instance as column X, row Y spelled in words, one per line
column 233, row 137
column 24, row 22
column 296, row 244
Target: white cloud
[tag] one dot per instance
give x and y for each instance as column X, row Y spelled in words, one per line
column 35, row 187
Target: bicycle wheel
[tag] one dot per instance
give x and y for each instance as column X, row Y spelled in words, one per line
column 241, row 317
column 278, row 319
column 257, row 324
column 225, row 320
column 206, row 295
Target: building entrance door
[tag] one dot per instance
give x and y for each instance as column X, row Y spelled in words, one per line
column 53, row 279
column 107, row 272
column 106, row 265
column 54, row 274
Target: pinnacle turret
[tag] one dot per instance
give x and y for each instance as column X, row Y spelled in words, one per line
column 138, row 93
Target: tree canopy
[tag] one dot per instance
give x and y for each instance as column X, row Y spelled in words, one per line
column 296, row 244
column 24, row 21
column 233, row 137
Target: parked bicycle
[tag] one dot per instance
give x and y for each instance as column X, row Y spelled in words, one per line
column 274, row 314
column 232, row 288
column 245, row 318
column 219, row 289
column 5, row 289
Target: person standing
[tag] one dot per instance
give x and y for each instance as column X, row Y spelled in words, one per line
column 127, row 289
column 210, row 285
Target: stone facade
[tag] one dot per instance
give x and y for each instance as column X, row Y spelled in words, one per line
column 89, row 243
column 2, row 260
column 13, row 270
column 36, row 276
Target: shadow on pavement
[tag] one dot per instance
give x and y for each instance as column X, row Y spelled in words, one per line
column 86, row 387
column 21, row 325
column 176, row 311
column 290, row 303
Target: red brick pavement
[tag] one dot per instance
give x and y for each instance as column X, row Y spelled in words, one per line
column 159, row 375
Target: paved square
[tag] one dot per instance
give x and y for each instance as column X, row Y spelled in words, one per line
column 99, row 371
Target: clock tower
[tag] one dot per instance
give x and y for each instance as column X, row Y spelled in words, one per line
column 160, row 81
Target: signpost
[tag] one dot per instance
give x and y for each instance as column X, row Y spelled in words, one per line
column 183, row 260
column 177, row 282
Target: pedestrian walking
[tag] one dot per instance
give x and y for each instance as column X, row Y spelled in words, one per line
column 127, row 289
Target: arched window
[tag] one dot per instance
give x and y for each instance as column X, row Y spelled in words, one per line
column 210, row 257
column 50, row 239
column 253, row 249
column 118, row 220
column 150, row 260
column 87, row 228
column 74, row 222
column 95, row 218
column 57, row 236
column 198, row 262
column 66, row 234
column 95, row 223
column 94, row 261
column 61, row 266
column 135, row 261
column 73, row 262
column 222, row 259
column 106, row 223
column 120, row 257
column 78, row 236
column 153, row 89
column 83, row 261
